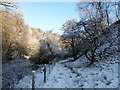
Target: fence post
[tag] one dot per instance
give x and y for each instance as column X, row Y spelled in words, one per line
column 33, row 80
column 54, row 62
column 44, row 73
column 49, row 68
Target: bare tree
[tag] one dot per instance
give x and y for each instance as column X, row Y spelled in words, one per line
column 106, row 11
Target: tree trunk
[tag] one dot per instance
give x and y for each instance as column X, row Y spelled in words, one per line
column 107, row 18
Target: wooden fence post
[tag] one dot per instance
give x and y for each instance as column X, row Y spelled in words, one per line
column 44, row 73
column 54, row 62
column 33, row 80
column 49, row 68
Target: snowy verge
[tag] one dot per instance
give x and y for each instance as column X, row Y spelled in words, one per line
column 15, row 70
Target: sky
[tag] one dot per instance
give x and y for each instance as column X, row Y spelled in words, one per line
column 49, row 15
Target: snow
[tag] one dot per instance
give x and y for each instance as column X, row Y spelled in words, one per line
column 26, row 82
column 60, row 78
column 15, row 70
column 66, row 60
column 83, row 77
column 77, row 75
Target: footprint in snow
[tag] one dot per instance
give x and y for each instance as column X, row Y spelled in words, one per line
column 61, row 74
column 59, row 77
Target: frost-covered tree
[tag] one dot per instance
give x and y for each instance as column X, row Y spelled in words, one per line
column 17, row 37
column 98, row 40
column 70, row 37
column 90, row 38
column 12, row 31
column 96, row 19
column 47, row 49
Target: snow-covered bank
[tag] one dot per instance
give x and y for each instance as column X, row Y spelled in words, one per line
column 14, row 70
column 102, row 75
column 77, row 75
column 26, row 82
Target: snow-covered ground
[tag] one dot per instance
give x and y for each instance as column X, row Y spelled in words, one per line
column 13, row 71
column 61, row 77
column 77, row 75
column 26, row 82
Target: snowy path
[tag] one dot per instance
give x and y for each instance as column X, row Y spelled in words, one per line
column 60, row 78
